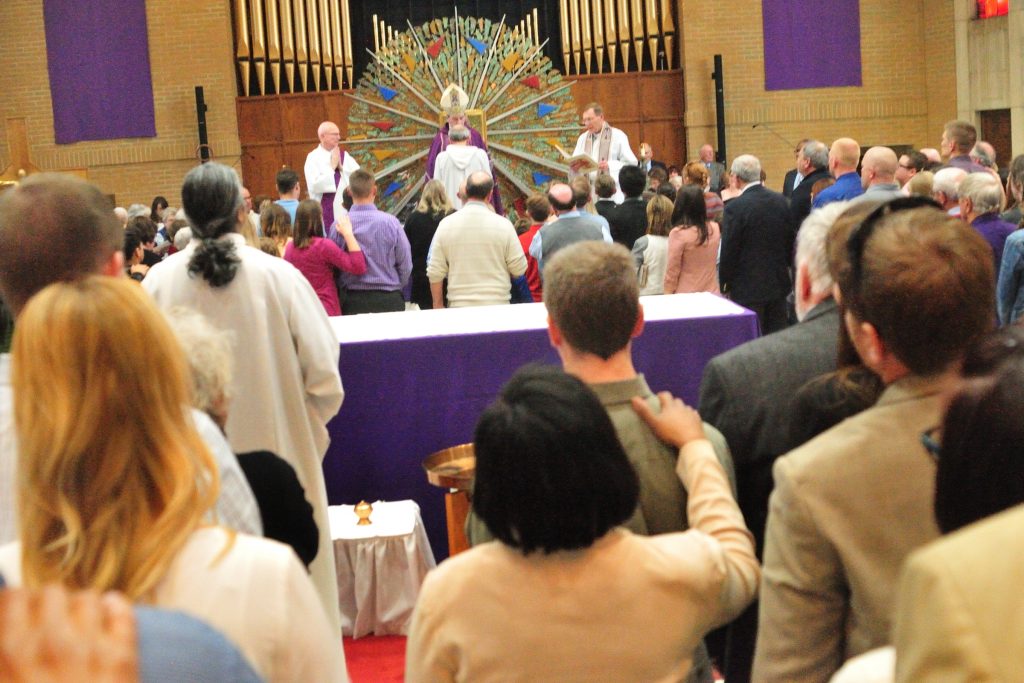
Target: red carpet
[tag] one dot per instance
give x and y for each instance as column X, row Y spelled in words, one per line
column 375, row 659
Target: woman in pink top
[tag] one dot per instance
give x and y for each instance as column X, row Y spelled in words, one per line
column 317, row 258
column 692, row 246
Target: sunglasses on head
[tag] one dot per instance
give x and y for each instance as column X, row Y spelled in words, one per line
column 862, row 233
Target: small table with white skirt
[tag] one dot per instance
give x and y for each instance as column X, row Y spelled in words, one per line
column 380, row 566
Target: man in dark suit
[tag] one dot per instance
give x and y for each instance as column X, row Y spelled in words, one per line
column 628, row 220
column 746, row 393
column 647, row 162
column 757, row 245
column 812, row 164
column 715, row 168
column 795, row 176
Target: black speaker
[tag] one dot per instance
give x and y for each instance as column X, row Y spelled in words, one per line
column 719, row 77
column 204, row 142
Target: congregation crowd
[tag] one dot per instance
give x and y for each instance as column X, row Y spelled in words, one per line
column 161, row 440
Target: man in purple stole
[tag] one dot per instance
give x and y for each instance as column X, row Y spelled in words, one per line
column 327, row 170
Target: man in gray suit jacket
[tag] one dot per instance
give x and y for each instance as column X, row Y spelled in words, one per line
column 747, row 392
column 715, row 168
column 849, row 505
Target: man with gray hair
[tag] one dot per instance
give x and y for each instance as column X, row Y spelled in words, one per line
column 812, row 165
column 981, row 200
column 757, row 245
column 984, row 154
column 946, row 188
column 747, row 394
column 459, row 161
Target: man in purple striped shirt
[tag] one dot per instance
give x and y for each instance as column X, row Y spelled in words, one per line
column 386, row 248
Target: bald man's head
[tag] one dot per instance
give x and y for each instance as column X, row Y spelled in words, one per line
column 932, row 155
column 329, row 135
column 479, row 185
column 878, row 166
column 561, row 197
column 843, row 156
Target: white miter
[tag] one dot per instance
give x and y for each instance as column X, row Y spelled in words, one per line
column 454, row 97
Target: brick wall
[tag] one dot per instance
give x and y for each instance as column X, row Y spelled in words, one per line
column 189, row 45
column 908, row 92
column 908, row 66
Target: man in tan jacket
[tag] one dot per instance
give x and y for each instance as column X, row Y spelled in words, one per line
column 958, row 617
column 850, row 505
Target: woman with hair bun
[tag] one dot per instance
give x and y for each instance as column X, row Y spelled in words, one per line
column 286, row 384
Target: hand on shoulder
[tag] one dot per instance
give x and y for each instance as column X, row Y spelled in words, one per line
column 677, row 423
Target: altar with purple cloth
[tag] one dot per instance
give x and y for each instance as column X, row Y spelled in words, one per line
column 416, row 382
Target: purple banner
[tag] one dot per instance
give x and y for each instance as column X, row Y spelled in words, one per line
column 795, row 54
column 98, row 58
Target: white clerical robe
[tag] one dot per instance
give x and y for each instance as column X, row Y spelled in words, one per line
column 286, row 384
column 619, row 155
column 320, row 176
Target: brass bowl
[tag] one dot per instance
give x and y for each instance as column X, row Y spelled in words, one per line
column 452, row 468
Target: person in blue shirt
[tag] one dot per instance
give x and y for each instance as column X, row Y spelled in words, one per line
column 288, row 191
column 103, row 638
column 843, row 157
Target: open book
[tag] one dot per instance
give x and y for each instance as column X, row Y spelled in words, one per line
column 581, row 163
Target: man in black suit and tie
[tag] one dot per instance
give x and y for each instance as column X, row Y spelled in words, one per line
column 794, row 176
column 812, row 164
column 757, row 247
column 747, row 394
column 628, row 220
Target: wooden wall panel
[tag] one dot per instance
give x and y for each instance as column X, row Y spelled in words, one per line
column 260, row 163
column 648, row 107
column 278, row 130
column 259, row 119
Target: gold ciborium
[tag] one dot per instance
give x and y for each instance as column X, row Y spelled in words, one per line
column 363, row 510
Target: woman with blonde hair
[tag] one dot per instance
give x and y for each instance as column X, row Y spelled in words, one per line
column 420, row 228
column 319, row 258
column 651, row 251
column 115, row 484
column 692, row 246
column 276, row 224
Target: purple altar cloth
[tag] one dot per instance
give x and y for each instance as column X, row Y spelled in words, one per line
column 416, row 382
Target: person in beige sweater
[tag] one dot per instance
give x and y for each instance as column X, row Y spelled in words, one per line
column 565, row 593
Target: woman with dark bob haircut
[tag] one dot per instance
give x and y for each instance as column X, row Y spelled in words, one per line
column 981, row 459
column 566, row 594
